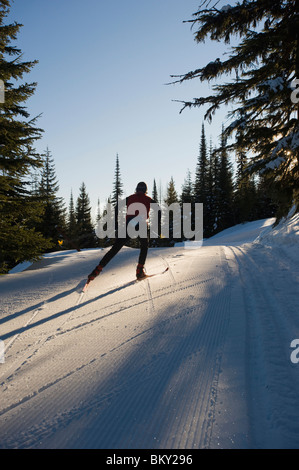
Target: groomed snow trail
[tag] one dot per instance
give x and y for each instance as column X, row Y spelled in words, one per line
column 270, row 285
column 196, row 358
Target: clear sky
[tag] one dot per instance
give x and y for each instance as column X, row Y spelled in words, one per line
column 102, row 74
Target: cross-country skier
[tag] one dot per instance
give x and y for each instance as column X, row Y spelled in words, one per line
column 141, row 197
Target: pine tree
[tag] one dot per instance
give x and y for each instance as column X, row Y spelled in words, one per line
column 172, row 198
column 155, row 196
column 216, row 207
column 245, row 198
column 19, row 210
column 211, row 204
column 171, row 193
column 201, row 179
column 265, row 62
column 71, row 216
column 72, row 228
column 86, row 232
column 225, row 185
column 265, row 206
column 106, row 214
column 201, row 173
column 53, row 223
column 187, row 189
column 117, row 185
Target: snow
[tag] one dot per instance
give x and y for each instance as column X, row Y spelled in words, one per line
column 200, row 357
column 20, row 267
column 242, row 233
column 226, row 8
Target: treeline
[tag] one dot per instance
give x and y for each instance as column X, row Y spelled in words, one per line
column 230, row 195
column 34, row 219
column 64, row 227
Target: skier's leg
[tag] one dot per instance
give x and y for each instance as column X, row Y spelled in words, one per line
column 143, row 250
column 118, row 244
column 142, row 257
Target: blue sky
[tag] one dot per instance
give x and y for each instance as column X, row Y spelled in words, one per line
column 102, row 74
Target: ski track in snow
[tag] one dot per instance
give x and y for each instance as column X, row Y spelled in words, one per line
column 198, row 357
column 272, row 323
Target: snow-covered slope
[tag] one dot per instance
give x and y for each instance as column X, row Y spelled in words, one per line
column 199, row 357
column 242, row 233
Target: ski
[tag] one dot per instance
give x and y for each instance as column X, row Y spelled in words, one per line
column 153, row 275
column 85, row 287
column 82, row 291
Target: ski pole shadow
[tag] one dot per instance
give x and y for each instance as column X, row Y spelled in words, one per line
column 41, row 303
column 61, row 313
column 114, row 290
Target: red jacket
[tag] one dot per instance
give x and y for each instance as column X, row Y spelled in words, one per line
column 141, row 198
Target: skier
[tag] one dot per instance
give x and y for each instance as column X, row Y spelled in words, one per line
column 140, row 196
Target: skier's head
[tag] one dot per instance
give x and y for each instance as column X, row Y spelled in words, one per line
column 141, row 187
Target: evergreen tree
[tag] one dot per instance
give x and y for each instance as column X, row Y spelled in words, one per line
column 211, row 204
column 171, row 193
column 154, row 242
column 53, row 220
column 265, row 61
column 117, row 185
column 19, row 210
column 172, row 198
column 117, row 192
column 265, row 205
column 245, row 198
column 106, row 214
column 86, row 232
column 72, row 228
column 201, row 190
column 215, row 170
column 187, row 189
column 35, row 182
column 201, row 173
column 155, row 196
column 225, row 185
column 72, row 216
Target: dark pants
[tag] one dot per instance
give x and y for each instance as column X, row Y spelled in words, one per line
column 118, row 244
